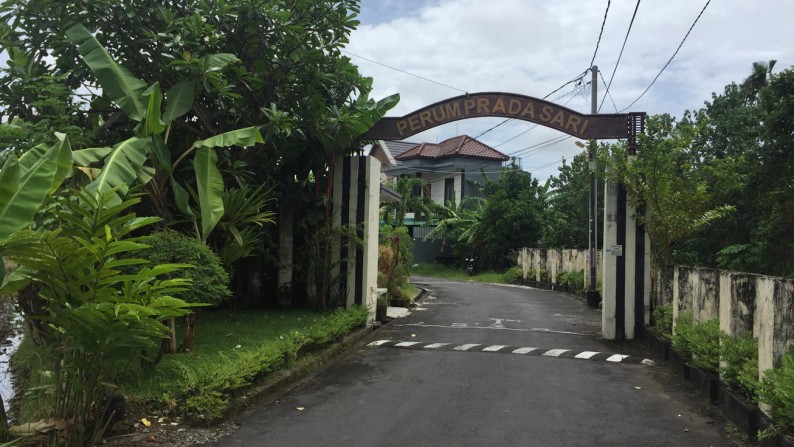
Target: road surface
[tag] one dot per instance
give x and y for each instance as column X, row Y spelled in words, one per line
column 486, row 365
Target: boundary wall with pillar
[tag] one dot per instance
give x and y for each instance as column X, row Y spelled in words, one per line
column 553, row 262
column 744, row 303
column 356, row 203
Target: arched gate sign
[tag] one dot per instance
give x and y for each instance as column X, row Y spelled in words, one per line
column 626, row 280
column 510, row 105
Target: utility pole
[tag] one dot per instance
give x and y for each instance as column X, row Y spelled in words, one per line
column 593, row 298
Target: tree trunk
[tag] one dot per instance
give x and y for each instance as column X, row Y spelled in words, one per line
column 190, row 326
column 3, row 422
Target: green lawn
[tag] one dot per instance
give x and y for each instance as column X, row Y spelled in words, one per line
column 232, row 351
column 442, row 271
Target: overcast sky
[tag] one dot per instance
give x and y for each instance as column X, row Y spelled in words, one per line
column 532, row 47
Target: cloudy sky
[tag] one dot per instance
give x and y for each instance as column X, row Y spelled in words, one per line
column 532, row 47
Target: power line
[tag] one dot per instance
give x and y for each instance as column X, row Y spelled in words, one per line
column 671, row 57
column 574, row 91
column 601, row 33
column 403, row 71
column 492, row 128
column 546, row 165
column 621, row 53
column 578, row 78
column 612, row 100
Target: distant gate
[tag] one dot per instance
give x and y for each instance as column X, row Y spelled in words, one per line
column 626, row 254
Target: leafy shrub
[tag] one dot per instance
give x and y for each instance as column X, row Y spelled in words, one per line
column 395, row 256
column 512, row 274
column 682, row 336
column 210, row 280
column 705, row 344
column 98, row 321
column 663, row 316
column 777, row 389
column 576, row 280
column 701, row 341
column 544, row 276
column 739, row 369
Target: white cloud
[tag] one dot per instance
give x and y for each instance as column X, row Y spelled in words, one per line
column 532, row 47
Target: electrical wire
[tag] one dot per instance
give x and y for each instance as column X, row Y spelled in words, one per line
column 508, row 119
column 612, row 100
column 601, row 33
column 403, row 71
column 609, row 84
column 574, row 91
column 671, row 57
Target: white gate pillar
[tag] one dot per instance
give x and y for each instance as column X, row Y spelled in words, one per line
column 356, row 201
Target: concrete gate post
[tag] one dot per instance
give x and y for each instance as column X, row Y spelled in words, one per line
column 625, row 273
column 356, row 202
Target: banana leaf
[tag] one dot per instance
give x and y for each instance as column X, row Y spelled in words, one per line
column 210, row 189
column 117, row 82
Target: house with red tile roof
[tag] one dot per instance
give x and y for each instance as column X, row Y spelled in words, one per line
column 447, row 167
column 451, row 170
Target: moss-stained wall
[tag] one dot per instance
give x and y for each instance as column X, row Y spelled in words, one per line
column 758, row 305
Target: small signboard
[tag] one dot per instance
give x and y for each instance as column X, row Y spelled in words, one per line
column 615, row 250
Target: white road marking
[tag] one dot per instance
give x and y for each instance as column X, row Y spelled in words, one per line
column 406, row 344
column 436, row 345
column 378, row 342
column 465, row 326
column 523, row 350
column 585, row 355
column 465, row 347
column 494, row 348
column 616, row 358
column 554, row 352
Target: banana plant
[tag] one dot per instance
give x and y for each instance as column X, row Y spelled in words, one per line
column 126, row 162
column 26, row 182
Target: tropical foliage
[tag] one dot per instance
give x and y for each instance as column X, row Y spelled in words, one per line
column 92, row 319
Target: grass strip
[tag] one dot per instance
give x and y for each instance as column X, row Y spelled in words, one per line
column 233, row 351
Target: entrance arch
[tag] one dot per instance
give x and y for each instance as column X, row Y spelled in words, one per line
column 626, row 252
column 510, row 105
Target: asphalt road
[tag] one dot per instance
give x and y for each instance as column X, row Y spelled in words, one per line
column 486, row 365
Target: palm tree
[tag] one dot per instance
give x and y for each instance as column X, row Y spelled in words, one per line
column 405, row 186
column 757, row 80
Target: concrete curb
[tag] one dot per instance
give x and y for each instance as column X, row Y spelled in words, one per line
column 285, row 381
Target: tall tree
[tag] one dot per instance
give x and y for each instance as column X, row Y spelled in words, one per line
column 273, row 64
column 512, row 215
column 666, row 182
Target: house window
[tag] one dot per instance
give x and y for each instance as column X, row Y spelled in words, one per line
column 417, row 190
column 449, row 190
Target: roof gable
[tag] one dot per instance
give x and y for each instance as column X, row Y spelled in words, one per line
column 460, row 146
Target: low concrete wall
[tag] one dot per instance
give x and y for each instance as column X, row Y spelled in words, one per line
column 744, row 303
column 554, row 261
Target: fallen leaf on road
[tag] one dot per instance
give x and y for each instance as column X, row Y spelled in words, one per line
column 301, row 408
column 413, row 335
column 146, row 422
column 637, row 387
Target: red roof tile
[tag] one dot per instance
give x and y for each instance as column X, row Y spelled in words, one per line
column 463, row 145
